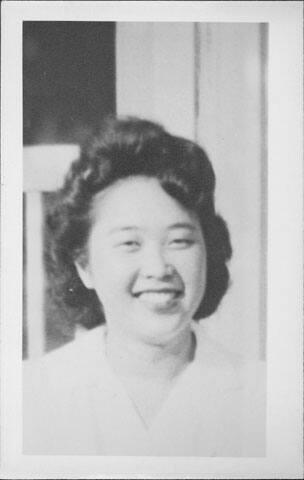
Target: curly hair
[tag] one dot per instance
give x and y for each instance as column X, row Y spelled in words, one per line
column 127, row 147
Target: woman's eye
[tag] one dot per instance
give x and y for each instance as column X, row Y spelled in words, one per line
column 129, row 245
column 181, row 242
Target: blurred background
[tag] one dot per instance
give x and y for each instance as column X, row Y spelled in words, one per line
column 68, row 79
column 204, row 81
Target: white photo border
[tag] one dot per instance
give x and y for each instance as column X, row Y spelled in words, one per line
column 284, row 251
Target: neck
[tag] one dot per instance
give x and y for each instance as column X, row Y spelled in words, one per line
column 131, row 357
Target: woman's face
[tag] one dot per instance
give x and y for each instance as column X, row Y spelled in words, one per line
column 146, row 260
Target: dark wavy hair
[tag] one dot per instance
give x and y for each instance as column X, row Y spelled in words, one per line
column 128, row 147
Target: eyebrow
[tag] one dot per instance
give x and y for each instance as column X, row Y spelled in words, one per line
column 185, row 225
column 132, row 228
column 124, row 228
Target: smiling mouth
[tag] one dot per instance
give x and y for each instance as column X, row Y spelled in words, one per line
column 162, row 291
column 163, row 298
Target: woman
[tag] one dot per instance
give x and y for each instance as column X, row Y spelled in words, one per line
column 136, row 236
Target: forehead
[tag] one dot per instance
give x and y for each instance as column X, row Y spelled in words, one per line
column 140, row 201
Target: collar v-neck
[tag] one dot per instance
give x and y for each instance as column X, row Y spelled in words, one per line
column 188, row 420
column 110, row 380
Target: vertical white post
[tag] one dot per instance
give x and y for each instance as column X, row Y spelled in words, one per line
column 230, row 126
column 44, row 169
column 155, row 73
column 34, row 274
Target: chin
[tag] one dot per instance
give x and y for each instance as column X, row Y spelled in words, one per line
column 163, row 329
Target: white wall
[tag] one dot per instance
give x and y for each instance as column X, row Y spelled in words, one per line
column 155, row 73
column 230, row 126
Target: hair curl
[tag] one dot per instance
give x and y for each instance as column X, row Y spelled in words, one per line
column 128, row 147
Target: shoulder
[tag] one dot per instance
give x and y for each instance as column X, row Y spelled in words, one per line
column 55, row 407
column 211, row 351
column 67, row 365
column 238, row 387
column 249, row 375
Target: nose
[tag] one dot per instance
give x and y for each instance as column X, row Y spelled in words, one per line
column 154, row 264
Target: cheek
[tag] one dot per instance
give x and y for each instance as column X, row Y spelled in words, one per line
column 197, row 274
column 110, row 275
column 194, row 271
column 196, row 286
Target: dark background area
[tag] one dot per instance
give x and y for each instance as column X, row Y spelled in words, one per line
column 68, row 79
column 68, row 88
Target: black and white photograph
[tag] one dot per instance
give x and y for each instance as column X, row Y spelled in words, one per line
column 144, row 308
column 136, row 252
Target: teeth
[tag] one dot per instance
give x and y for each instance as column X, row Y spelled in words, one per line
column 159, row 294
column 158, row 297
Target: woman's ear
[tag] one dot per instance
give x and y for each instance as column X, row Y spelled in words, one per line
column 84, row 274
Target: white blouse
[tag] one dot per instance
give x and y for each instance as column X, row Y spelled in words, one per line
column 74, row 404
